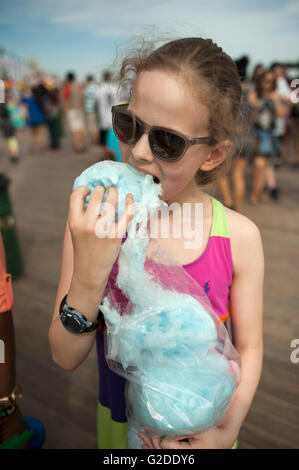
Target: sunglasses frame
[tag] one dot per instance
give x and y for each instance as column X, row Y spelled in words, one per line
column 147, row 128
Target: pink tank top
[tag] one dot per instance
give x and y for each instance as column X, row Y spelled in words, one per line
column 213, row 270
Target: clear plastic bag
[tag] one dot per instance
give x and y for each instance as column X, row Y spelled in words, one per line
column 163, row 336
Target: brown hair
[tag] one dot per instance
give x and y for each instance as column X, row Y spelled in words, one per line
column 211, row 74
column 259, row 82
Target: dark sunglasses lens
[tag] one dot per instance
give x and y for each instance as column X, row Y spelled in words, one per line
column 166, row 145
column 126, row 128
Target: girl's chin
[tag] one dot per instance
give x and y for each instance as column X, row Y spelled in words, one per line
column 165, row 196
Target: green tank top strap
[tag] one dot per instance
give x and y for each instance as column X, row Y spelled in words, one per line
column 219, row 224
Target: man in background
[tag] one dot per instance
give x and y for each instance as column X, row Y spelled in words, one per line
column 73, row 111
column 107, row 96
column 91, row 118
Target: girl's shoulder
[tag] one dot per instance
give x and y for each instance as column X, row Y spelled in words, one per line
column 245, row 238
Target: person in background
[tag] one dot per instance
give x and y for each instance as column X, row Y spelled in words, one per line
column 267, row 106
column 12, row 424
column 282, row 132
column 91, row 118
column 9, row 134
column 73, row 111
column 295, row 118
column 36, row 117
column 16, row 113
column 247, row 149
column 53, row 118
column 107, row 96
column 16, row 431
column 259, row 69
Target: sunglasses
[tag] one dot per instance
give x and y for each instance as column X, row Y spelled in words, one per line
column 164, row 143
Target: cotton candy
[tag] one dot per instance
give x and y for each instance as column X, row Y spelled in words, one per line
column 167, row 341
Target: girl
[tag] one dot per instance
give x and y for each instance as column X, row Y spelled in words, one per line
column 190, row 88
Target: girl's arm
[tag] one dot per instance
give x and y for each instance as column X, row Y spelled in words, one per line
column 69, row 350
column 252, row 98
column 89, row 253
column 246, row 307
column 280, row 105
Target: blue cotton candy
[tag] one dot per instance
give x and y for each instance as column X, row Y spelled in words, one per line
column 167, row 342
column 160, row 330
column 133, row 441
column 182, row 400
column 126, row 179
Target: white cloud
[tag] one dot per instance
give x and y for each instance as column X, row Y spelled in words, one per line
column 264, row 30
column 259, row 32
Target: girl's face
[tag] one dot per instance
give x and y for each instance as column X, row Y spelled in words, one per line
column 268, row 82
column 161, row 99
column 259, row 70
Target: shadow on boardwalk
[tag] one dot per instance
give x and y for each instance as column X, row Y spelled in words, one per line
column 66, row 401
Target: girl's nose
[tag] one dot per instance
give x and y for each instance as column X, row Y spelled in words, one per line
column 141, row 151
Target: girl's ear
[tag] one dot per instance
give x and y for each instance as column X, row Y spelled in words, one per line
column 217, row 155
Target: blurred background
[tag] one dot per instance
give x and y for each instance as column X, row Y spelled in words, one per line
column 57, row 83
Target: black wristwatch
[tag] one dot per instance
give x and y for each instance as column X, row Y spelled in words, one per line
column 75, row 322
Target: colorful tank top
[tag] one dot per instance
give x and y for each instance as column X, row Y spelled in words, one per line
column 213, row 270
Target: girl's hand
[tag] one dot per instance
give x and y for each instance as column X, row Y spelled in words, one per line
column 96, row 237
column 217, row 438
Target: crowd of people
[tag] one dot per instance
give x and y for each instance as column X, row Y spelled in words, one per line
column 271, row 137
column 84, row 109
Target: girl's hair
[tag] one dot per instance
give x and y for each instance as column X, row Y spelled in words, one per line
column 260, row 80
column 39, row 93
column 211, row 74
column 256, row 72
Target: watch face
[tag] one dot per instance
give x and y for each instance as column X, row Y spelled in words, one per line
column 72, row 324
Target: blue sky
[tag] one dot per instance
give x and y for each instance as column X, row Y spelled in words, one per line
column 83, row 35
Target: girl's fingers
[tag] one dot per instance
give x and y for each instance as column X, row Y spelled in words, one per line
column 169, row 443
column 76, row 202
column 146, row 440
column 108, row 208
column 99, row 214
column 156, row 442
column 95, row 203
column 112, row 196
column 151, row 441
column 123, row 222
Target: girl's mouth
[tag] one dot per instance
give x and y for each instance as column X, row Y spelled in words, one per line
column 141, row 172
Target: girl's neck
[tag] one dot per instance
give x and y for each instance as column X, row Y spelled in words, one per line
column 192, row 193
column 267, row 94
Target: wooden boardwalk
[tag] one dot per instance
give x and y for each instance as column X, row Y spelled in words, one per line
column 66, row 401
